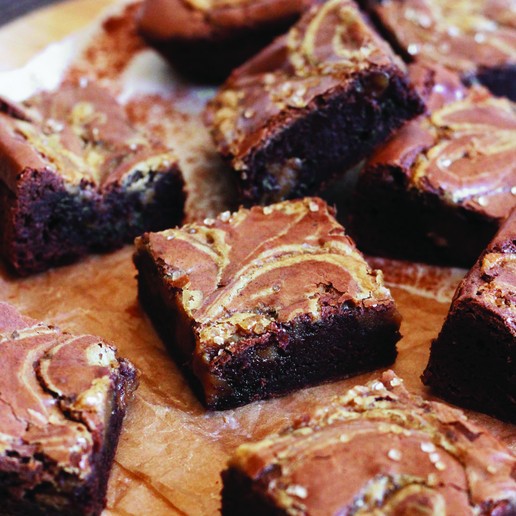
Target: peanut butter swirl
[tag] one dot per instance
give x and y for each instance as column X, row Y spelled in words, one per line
column 464, row 151
column 460, row 35
column 243, row 273
column 327, row 48
column 81, row 133
column 56, row 401
column 378, row 450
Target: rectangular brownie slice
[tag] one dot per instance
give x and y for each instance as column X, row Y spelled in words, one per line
column 377, row 450
column 76, row 177
column 310, row 106
column 62, row 402
column 206, row 40
column 476, row 39
column 473, row 360
column 264, row 301
column 440, row 188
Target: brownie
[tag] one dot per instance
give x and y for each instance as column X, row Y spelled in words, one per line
column 62, row 401
column 207, row 39
column 260, row 302
column 476, row 39
column 473, row 360
column 440, row 188
column 311, row 105
column 76, row 177
column 376, row 450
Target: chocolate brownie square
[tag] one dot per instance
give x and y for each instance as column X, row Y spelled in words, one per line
column 440, row 188
column 476, row 39
column 311, row 105
column 473, row 360
column 206, row 40
column 62, row 401
column 76, row 177
column 376, row 450
column 264, row 301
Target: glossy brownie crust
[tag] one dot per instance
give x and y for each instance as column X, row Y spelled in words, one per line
column 440, row 188
column 375, row 450
column 265, row 301
column 77, row 178
column 311, row 105
column 63, row 403
column 472, row 362
column 476, row 39
column 207, row 40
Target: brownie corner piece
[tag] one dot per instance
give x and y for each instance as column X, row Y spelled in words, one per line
column 440, row 188
column 77, row 177
column 377, row 449
column 311, row 105
column 61, row 411
column 472, row 361
column 265, row 301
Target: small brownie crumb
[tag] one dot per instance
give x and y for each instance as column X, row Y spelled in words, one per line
column 439, row 190
column 62, row 402
column 264, row 301
column 376, row 450
column 206, row 40
column 77, row 178
column 473, row 361
column 476, row 39
column 311, row 105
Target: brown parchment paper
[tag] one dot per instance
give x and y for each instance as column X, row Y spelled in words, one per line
column 172, row 450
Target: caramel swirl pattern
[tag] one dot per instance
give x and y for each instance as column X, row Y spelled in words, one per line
column 297, row 262
column 459, row 35
column 379, row 450
column 56, row 401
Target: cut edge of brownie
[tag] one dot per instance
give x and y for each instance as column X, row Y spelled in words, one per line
column 374, row 104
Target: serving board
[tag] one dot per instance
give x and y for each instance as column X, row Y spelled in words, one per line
column 172, row 450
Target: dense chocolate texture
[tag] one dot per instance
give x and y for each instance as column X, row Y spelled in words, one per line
column 62, row 402
column 207, row 39
column 473, row 361
column 476, row 39
column 375, row 450
column 76, row 177
column 264, row 301
column 311, row 105
column 440, row 188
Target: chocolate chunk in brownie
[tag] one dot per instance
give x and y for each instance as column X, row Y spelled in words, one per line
column 207, row 39
column 76, row 177
column 375, row 450
column 440, row 188
column 473, row 360
column 62, row 402
column 264, row 301
column 311, row 105
column 476, row 39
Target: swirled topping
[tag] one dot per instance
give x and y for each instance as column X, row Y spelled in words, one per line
column 329, row 47
column 379, row 450
column 56, row 401
column 464, row 151
column 81, row 133
column 460, row 35
column 244, row 272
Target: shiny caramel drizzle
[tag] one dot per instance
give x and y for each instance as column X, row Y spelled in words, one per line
column 460, row 34
column 331, row 43
column 243, row 272
column 57, row 399
column 378, row 450
column 473, row 158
